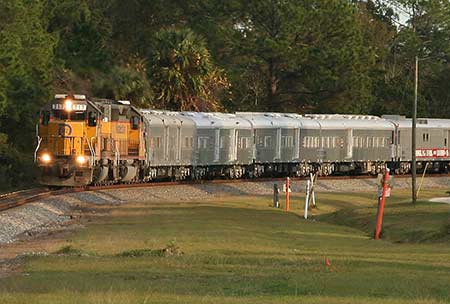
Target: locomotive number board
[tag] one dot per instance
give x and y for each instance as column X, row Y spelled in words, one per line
column 75, row 107
column 432, row 153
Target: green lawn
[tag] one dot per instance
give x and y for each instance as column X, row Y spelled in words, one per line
column 240, row 250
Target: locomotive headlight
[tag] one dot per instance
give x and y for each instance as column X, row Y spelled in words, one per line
column 68, row 105
column 81, row 160
column 46, row 158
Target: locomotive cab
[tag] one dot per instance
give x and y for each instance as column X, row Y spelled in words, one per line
column 67, row 133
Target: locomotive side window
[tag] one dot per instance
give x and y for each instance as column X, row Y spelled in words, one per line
column 134, row 122
column 45, row 118
column 92, row 119
column 115, row 114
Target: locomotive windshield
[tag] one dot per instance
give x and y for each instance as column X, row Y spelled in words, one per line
column 64, row 115
column 69, row 109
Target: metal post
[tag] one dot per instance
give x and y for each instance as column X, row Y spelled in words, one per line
column 413, row 139
column 287, row 194
column 276, row 191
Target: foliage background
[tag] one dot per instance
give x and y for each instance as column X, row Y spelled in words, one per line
column 260, row 55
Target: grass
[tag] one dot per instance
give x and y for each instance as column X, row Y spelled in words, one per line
column 240, row 250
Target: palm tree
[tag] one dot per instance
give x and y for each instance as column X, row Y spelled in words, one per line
column 182, row 73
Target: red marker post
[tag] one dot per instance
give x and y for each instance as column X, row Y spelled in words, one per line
column 381, row 201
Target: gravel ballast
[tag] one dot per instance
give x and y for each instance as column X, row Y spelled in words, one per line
column 55, row 212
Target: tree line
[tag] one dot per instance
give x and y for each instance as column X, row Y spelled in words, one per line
column 324, row 56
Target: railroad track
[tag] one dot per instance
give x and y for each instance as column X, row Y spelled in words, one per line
column 19, row 198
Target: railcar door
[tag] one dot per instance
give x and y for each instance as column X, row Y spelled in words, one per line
column 216, row 145
column 446, row 139
column 296, row 143
column 235, row 144
column 278, row 145
column 349, row 146
column 178, row 145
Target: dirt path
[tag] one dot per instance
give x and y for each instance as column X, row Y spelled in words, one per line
column 11, row 254
column 444, row 200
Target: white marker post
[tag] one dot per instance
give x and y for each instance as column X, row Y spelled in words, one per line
column 313, row 194
column 308, row 187
column 310, row 194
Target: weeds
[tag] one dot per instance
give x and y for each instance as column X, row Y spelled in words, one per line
column 71, row 251
column 171, row 249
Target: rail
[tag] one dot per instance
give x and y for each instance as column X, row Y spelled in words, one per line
column 19, row 198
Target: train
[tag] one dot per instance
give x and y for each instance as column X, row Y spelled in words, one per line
column 88, row 141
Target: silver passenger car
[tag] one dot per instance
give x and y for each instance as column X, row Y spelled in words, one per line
column 349, row 140
column 276, row 137
column 222, row 139
column 432, row 140
column 169, row 138
column 432, row 137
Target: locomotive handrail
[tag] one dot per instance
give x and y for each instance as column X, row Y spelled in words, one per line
column 38, row 143
column 37, row 147
column 116, row 153
column 91, row 150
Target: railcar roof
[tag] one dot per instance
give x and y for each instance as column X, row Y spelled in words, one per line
column 163, row 117
column 261, row 120
column 306, row 123
column 360, row 122
column 403, row 122
column 213, row 120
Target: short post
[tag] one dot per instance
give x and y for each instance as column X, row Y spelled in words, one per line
column 421, row 180
column 276, row 200
column 311, row 189
column 308, row 191
column 381, row 201
column 288, row 188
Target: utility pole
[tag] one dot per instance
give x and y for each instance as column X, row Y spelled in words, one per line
column 413, row 139
column 414, row 116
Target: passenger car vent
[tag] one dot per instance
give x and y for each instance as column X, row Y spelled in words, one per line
column 422, row 121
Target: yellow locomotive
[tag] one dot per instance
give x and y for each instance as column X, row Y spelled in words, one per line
column 82, row 141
